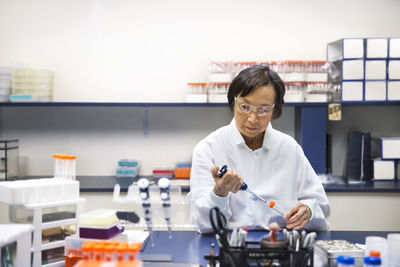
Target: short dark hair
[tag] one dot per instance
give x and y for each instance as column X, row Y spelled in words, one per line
column 255, row 77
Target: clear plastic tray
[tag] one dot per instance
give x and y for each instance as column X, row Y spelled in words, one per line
column 20, row 214
column 57, row 233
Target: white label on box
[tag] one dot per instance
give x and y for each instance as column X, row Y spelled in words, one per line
column 390, row 148
column 394, row 69
column 375, row 90
column 353, row 48
column 377, row 48
column 394, row 47
column 393, row 90
column 353, row 69
column 375, row 69
column 384, row 169
column 352, row 91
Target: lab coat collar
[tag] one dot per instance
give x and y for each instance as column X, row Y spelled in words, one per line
column 238, row 138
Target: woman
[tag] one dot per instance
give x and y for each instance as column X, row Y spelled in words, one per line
column 271, row 163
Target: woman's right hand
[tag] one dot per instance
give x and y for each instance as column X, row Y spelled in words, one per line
column 230, row 182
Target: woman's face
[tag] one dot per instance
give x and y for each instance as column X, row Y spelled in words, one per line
column 251, row 125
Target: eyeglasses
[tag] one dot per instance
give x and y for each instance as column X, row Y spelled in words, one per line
column 259, row 110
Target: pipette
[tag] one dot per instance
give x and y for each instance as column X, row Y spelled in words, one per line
column 144, row 185
column 224, row 168
column 164, row 185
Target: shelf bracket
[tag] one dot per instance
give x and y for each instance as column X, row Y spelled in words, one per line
column 145, row 120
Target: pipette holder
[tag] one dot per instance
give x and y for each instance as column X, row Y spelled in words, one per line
column 178, row 206
column 253, row 254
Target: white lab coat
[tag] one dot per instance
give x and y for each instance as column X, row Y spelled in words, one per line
column 277, row 171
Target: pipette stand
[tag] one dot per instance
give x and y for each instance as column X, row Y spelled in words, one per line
column 165, row 212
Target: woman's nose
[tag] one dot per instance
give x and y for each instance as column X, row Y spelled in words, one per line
column 253, row 117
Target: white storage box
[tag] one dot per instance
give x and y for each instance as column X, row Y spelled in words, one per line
column 375, row 69
column 346, row 49
column 391, row 148
column 384, row 169
column 38, row 191
column 353, row 69
column 393, row 88
column 377, row 48
column 352, row 91
column 375, row 90
column 394, row 69
column 394, row 47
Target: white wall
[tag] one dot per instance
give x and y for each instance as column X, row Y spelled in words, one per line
column 147, row 50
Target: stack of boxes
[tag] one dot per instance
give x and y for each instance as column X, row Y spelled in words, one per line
column 32, row 85
column 370, row 68
column 305, row 81
column 128, row 168
column 182, row 170
column 387, row 167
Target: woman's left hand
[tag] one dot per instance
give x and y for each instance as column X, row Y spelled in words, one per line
column 298, row 216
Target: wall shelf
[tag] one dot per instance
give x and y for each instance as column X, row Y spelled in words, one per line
column 310, row 119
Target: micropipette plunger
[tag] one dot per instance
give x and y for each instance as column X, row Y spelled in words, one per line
column 144, row 193
column 165, row 185
column 224, row 168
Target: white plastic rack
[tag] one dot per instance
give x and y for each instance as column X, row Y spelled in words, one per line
column 37, row 221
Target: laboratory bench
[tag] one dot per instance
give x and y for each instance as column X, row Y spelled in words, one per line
column 190, row 247
column 106, row 184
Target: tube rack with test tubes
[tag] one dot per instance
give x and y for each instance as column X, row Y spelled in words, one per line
column 159, row 205
column 64, row 166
